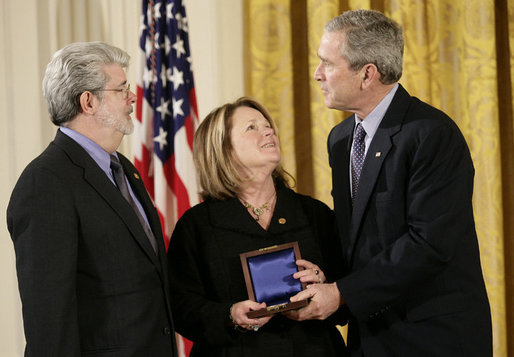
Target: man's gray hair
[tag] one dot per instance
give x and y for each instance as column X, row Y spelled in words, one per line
column 74, row 69
column 371, row 37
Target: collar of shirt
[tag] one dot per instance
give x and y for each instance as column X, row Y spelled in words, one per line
column 371, row 124
column 372, row 121
column 103, row 160
column 94, row 150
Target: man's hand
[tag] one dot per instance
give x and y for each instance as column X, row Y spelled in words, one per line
column 325, row 300
column 310, row 274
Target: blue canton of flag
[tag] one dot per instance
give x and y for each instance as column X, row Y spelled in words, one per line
column 169, row 79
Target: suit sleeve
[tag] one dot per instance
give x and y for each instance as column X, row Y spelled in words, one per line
column 329, row 243
column 436, row 213
column 196, row 316
column 43, row 227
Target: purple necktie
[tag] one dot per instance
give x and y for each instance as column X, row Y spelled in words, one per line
column 119, row 178
column 359, row 148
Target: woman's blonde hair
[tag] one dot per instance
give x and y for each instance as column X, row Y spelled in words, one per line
column 213, row 153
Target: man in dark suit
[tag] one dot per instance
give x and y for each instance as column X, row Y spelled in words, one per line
column 90, row 257
column 402, row 191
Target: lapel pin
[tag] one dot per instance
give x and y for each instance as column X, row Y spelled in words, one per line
column 136, row 176
column 282, row 220
column 378, row 154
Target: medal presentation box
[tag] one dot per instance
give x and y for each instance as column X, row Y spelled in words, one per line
column 269, row 278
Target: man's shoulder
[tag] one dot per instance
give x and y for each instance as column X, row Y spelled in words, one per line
column 42, row 177
column 421, row 108
column 415, row 115
column 416, row 108
column 341, row 130
column 424, row 117
column 51, row 159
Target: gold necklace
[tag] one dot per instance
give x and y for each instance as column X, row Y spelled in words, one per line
column 258, row 210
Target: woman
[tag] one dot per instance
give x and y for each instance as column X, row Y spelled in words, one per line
column 247, row 205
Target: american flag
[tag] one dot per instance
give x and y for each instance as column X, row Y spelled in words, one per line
column 166, row 115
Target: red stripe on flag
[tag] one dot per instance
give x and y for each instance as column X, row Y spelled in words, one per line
column 139, row 103
column 178, row 187
column 190, row 131
column 188, row 345
column 160, row 89
column 192, row 101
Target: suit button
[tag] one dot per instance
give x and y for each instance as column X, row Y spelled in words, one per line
column 166, row 330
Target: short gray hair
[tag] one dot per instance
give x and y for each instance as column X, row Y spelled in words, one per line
column 371, row 37
column 74, row 69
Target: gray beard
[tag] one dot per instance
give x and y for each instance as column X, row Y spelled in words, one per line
column 112, row 121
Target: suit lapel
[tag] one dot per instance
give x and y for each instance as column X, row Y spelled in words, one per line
column 95, row 177
column 140, row 191
column 142, row 194
column 375, row 157
column 377, row 153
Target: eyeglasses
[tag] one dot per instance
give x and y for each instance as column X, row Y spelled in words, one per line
column 126, row 91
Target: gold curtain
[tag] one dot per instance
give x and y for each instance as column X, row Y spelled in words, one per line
column 458, row 57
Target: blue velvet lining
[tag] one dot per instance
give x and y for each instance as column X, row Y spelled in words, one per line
column 272, row 276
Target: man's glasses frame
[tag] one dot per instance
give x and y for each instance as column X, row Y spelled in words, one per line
column 126, row 91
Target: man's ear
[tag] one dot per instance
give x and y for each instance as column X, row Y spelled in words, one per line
column 369, row 72
column 88, row 102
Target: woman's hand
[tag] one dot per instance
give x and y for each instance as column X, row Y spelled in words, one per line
column 239, row 311
column 312, row 274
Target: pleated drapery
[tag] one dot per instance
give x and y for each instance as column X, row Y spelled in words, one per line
column 458, row 57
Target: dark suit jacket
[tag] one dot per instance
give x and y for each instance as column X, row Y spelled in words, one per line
column 89, row 281
column 207, row 277
column 413, row 283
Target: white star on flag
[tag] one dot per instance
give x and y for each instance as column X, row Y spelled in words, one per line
column 179, row 47
column 169, row 14
column 161, row 138
column 177, row 107
column 177, row 78
column 163, row 108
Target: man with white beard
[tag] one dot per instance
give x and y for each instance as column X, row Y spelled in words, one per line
column 90, row 256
